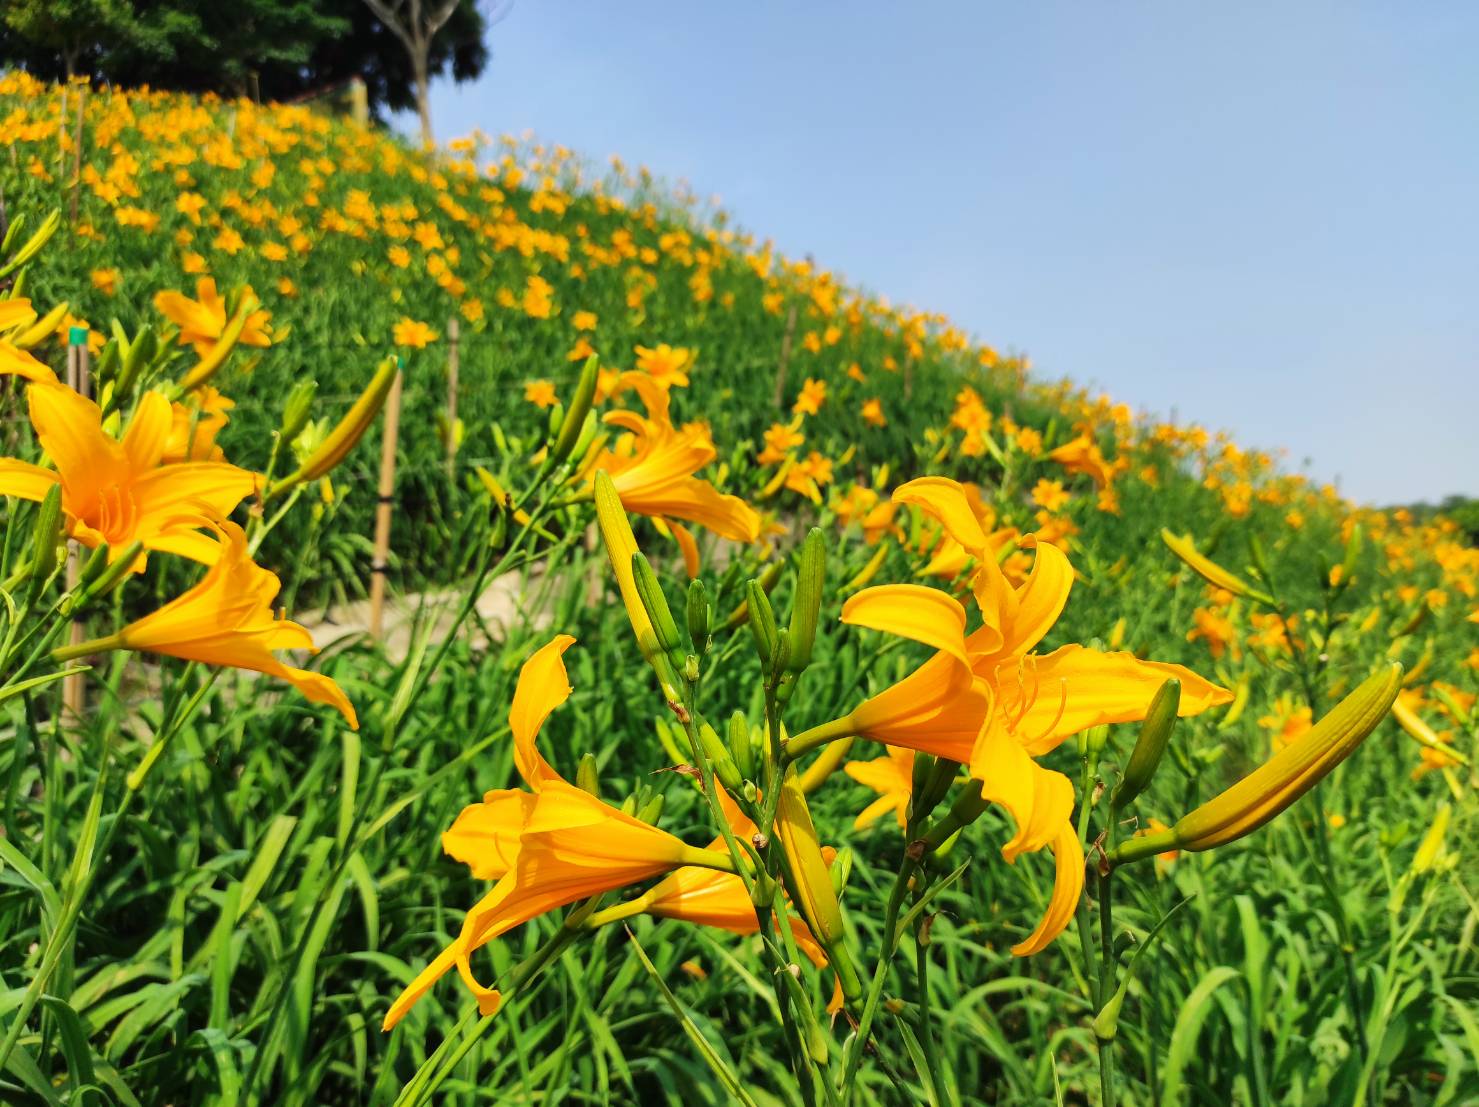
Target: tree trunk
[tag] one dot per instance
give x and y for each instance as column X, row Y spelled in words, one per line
column 419, row 63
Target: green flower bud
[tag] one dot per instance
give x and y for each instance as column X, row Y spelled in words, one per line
column 698, row 617
column 573, row 425
column 762, row 621
column 1155, row 732
column 656, row 605
column 45, row 539
column 297, row 409
column 811, row 578
column 586, row 777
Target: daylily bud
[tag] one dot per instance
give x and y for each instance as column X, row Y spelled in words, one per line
column 698, row 616
column 586, row 778
column 811, row 577
column 1427, row 852
column 1184, row 548
column 208, row 366
column 1155, row 732
column 110, row 577
column 34, row 243
column 741, row 748
column 656, row 606
column 580, row 406
column 45, row 538
column 42, row 329
column 1241, row 692
column 621, row 545
column 841, row 870
column 140, row 351
column 348, row 432
column 296, row 410
column 814, row 891
column 651, row 811
column 13, row 232
column 718, row 754
column 1278, row 782
column 762, row 621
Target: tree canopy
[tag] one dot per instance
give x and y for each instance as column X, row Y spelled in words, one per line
column 274, row 49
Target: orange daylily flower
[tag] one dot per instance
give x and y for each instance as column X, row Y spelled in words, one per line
column 195, row 424
column 203, row 320
column 18, row 363
column 809, row 401
column 227, row 620
column 413, row 333
column 545, row 848
column 1082, row 456
column 988, row 700
column 652, row 467
column 16, row 312
column 666, row 365
column 120, row 491
column 893, row 777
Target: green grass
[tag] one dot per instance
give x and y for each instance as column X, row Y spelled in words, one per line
column 278, row 879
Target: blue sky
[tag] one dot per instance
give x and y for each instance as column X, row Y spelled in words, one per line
column 1264, row 218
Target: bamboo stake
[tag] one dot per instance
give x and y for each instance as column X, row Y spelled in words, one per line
column 454, row 330
column 386, row 507
column 78, row 372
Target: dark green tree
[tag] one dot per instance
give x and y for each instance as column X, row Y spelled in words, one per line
column 272, row 49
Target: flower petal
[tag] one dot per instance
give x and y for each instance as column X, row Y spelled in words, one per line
column 543, row 686
column 1079, row 688
column 911, row 611
column 1068, row 884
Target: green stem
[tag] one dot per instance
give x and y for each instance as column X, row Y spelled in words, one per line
column 880, row 974
column 818, row 736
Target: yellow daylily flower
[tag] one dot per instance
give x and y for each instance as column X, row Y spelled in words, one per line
column 120, row 491
column 545, row 848
column 652, row 467
column 892, row 776
column 226, row 620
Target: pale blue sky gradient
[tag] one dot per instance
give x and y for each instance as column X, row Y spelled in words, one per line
column 1264, row 218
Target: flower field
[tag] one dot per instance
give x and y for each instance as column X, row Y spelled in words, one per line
column 868, row 722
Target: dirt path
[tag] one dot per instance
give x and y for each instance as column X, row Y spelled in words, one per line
column 512, row 599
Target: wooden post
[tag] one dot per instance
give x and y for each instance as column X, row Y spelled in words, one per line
column 780, row 371
column 386, row 506
column 78, row 372
column 454, row 330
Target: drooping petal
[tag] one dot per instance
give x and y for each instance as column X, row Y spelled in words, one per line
column 1068, row 884
column 544, row 684
column 911, row 611
column 945, row 500
column 1039, row 800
